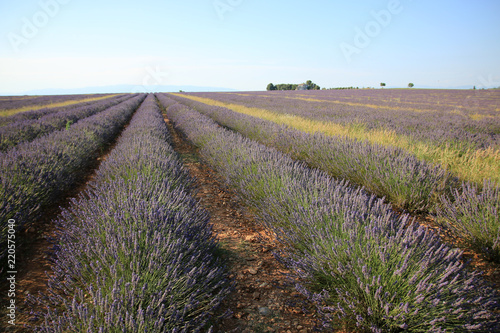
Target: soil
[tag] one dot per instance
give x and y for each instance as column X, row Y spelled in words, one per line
column 264, row 299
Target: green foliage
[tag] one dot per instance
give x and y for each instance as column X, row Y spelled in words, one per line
column 311, row 85
column 292, row 86
column 286, row 86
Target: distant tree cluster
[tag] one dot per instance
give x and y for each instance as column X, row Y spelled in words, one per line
column 309, row 85
column 282, row 86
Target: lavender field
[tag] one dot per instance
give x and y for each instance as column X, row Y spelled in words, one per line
column 339, row 178
column 412, row 170
column 364, row 265
column 10, row 105
column 450, row 127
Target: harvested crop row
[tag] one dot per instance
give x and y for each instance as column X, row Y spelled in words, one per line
column 357, row 260
column 34, row 174
column 473, row 213
column 28, row 130
column 137, row 253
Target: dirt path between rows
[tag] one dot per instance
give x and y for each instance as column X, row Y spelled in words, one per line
column 264, row 299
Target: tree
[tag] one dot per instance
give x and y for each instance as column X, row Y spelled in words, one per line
column 292, row 86
column 271, row 86
column 382, row 84
column 312, row 86
column 285, row 86
column 410, row 85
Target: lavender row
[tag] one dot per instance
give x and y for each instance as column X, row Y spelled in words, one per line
column 364, row 266
column 34, row 174
column 19, row 102
column 38, row 113
column 462, row 119
column 442, row 100
column 137, row 253
column 472, row 212
column 28, row 130
column 405, row 181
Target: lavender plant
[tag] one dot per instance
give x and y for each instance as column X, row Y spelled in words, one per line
column 34, row 174
column 473, row 214
column 386, row 278
column 137, row 253
column 364, row 266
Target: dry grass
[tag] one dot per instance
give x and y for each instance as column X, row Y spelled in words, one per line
column 468, row 164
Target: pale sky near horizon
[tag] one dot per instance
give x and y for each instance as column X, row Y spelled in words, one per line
column 246, row 44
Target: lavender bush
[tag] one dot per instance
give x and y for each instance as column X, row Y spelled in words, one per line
column 136, row 253
column 386, row 278
column 473, row 214
column 364, row 266
column 34, row 174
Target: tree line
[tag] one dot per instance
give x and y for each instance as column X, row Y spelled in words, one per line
column 309, row 85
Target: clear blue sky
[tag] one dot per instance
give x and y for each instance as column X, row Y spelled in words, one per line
column 246, row 44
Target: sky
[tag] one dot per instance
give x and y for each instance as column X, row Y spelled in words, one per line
column 246, row 44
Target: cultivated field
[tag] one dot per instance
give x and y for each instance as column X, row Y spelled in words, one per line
column 381, row 206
